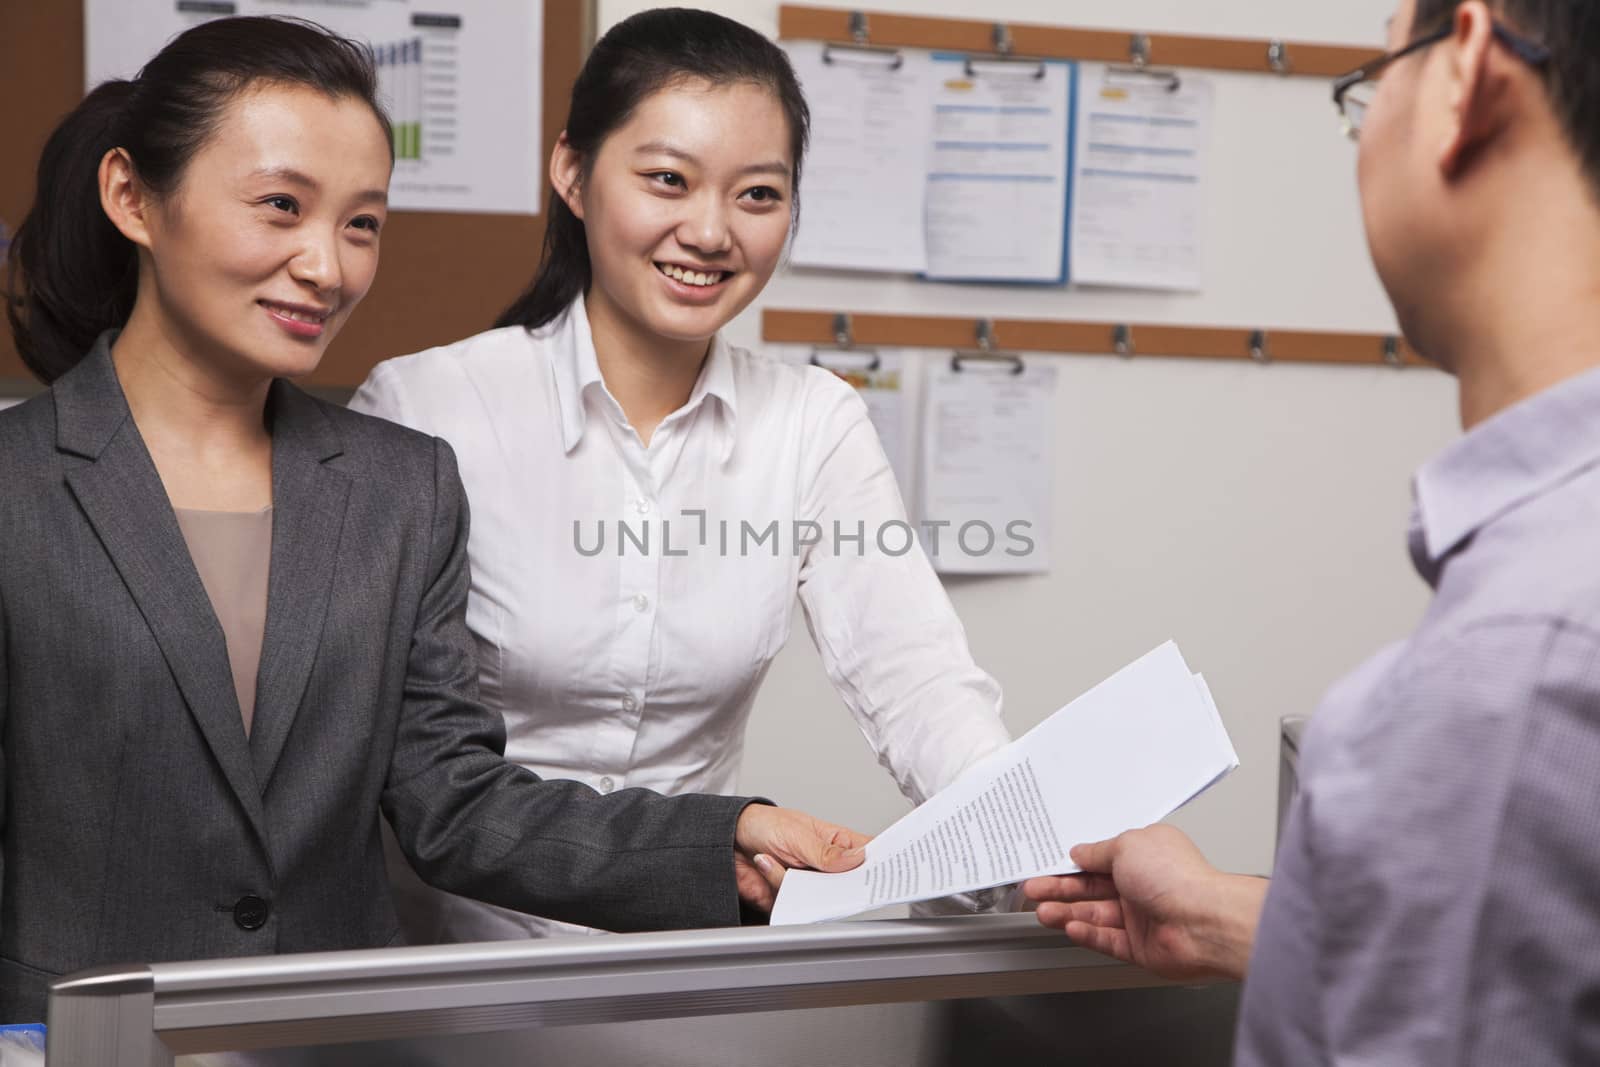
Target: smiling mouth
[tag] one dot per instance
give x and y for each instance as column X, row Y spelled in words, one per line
column 703, row 279
column 298, row 312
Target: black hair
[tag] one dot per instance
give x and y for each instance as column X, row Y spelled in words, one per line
column 641, row 55
column 1570, row 29
column 71, row 274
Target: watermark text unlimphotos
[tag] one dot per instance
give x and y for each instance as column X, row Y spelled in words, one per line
column 695, row 532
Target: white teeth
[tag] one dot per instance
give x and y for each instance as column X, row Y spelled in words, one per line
column 690, row 277
column 297, row 315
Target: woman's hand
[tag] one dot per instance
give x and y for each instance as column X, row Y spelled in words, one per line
column 770, row 840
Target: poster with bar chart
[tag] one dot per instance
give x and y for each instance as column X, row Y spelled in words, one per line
column 460, row 79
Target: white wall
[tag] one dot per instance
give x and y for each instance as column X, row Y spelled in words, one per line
column 1255, row 514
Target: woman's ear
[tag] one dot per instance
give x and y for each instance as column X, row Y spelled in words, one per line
column 125, row 200
column 566, row 168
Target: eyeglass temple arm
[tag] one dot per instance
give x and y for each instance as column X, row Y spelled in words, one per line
column 1529, row 52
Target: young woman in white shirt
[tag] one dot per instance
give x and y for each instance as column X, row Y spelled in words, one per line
column 625, row 465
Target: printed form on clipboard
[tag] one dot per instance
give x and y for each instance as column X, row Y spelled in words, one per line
column 998, row 173
column 866, row 167
column 1140, row 175
column 988, row 444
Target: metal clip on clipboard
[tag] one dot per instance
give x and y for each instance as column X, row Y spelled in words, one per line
column 1139, row 60
column 1005, row 53
column 844, row 343
column 985, row 352
column 859, row 50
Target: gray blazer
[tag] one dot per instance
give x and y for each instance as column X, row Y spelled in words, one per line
column 140, row 824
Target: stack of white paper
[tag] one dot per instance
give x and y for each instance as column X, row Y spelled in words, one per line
column 1129, row 752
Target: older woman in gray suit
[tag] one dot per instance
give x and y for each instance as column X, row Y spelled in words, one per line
column 231, row 615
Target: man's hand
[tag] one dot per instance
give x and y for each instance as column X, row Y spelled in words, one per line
column 1149, row 897
column 769, row 840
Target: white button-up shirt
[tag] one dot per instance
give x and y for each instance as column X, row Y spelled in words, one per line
column 627, row 600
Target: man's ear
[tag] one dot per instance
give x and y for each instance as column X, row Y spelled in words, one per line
column 1478, row 86
column 125, row 200
column 566, row 170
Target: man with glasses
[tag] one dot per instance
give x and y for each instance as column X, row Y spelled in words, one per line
column 1436, row 898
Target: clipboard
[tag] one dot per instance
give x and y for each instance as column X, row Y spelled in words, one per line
column 999, row 169
column 986, row 464
column 865, row 173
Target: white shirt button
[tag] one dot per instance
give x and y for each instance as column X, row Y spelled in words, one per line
column 607, row 784
column 629, row 704
column 641, row 602
column 642, row 506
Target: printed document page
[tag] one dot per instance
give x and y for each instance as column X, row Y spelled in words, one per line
column 871, row 115
column 1139, row 183
column 988, row 444
column 1128, row 753
column 997, row 176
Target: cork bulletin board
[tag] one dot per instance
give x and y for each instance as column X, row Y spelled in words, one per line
column 442, row 277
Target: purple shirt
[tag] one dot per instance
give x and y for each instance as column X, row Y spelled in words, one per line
column 1436, row 898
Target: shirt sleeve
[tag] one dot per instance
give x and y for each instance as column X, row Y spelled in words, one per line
column 1447, row 840
column 889, row 638
column 383, row 395
column 472, row 823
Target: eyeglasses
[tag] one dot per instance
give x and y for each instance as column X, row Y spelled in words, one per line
column 1353, row 93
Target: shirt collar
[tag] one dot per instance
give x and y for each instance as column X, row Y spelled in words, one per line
column 576, row 370
column 1512, row 457
column 717, row 380
column 577, row 373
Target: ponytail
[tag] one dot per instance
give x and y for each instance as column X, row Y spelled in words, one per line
column 563, row 274
column 641, row 55
column 70, row 273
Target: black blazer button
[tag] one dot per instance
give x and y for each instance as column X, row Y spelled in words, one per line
column 250, row 913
